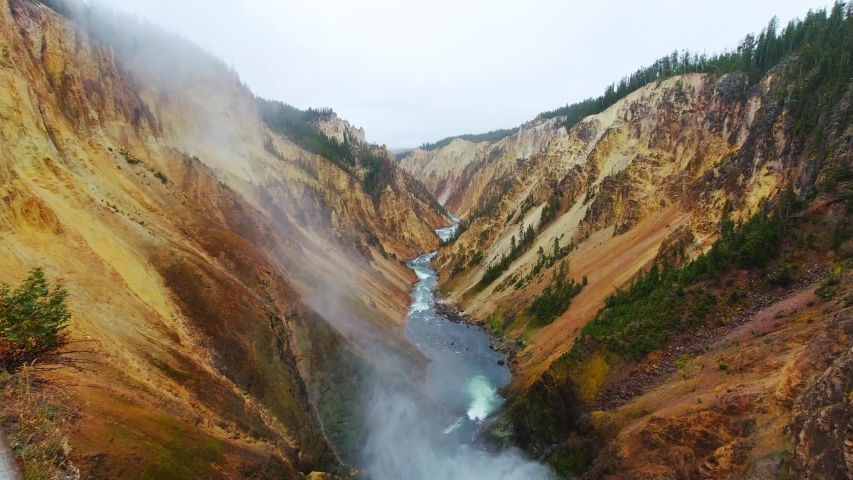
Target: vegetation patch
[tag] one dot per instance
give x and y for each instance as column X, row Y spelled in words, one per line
column 495, row 324
column 183, row 455
column 300, row 127
column 34, row 416
column 129, row 157
column 33, row 318
column 556, row 297
column 639, row 319
column 492, row 136
column 568, row 463
column 517, row 247
column 379, row 172
column 551, row 208
column 592, row 377
column 828, row 288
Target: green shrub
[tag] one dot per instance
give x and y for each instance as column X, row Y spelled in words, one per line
column 783, row 277
column 828, row 288
column 131, row 159
column 682, row 361
column 556, row 297
column 32, row 320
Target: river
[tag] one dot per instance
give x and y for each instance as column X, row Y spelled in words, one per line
column 464, row 373
column 411, row 442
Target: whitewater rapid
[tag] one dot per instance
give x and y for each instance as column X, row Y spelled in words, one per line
column 430, row 434
column 464, row 372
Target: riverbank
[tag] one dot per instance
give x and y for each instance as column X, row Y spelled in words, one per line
column 454, row 313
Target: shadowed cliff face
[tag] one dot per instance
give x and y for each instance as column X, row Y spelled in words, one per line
column 228, row 293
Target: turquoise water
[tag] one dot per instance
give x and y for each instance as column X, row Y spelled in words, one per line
column 464, row 373
column 429, row 433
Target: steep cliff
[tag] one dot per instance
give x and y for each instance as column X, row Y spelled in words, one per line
column 453, row 173
column 560, row 224
column 228, row 293
column 619, row 183
column 340, row 129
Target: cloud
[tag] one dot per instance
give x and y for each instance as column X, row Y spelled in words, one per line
column 414, row 71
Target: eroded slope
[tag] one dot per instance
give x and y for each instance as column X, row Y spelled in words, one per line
column 220, row 288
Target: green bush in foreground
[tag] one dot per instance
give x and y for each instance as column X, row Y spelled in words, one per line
column 32, row 320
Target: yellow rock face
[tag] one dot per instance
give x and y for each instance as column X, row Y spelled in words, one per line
column 659, row 164
column 210, row 280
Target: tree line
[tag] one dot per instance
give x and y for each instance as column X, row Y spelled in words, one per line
column 491, row 136
column 557, row 296
column 517, row 247
column 819, row 47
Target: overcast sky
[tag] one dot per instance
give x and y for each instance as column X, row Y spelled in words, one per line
column 411, row 71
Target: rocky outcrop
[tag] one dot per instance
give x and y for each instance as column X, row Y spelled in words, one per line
column 340, row 129
column 823, row 416
column 450, row 173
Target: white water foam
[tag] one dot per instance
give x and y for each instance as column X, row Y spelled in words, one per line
column 458, row 423
column 420, row 305
column 405, row 440
column 484, row 398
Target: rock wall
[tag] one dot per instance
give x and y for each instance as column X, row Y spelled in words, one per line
column 337, row 128
column 223, row 290
column 667, row 157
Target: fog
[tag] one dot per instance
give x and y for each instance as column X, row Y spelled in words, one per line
column 405, row 442
column 416, row 71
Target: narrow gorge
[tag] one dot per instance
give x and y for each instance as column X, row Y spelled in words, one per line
column 432, row 433
column 199, row 282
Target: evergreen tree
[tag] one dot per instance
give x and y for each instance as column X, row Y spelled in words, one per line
column 32, row 321
column 819, row 66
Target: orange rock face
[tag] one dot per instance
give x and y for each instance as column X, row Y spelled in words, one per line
column 214, row 283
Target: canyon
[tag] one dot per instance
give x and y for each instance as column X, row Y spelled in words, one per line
column 256, row 291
